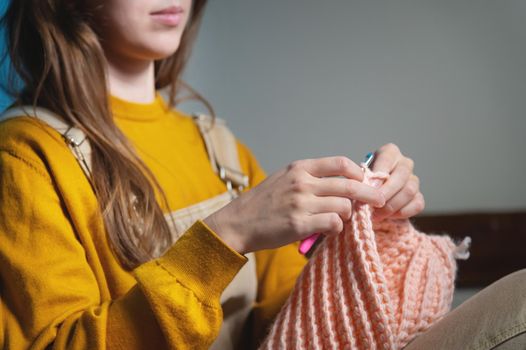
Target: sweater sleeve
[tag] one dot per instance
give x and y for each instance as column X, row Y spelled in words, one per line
column 50, row 297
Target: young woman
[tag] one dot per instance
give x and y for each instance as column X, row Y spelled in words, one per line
column 99, row 261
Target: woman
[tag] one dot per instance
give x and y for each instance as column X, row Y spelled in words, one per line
column 94, row 262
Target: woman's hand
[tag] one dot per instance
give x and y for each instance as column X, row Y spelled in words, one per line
column 303, row 198
column 402, row 188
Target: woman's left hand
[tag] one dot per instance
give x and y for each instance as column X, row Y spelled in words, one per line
column 401, row 191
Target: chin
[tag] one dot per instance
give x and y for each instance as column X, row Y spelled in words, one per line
column 155, row 56
column 156, row 53
column 163, row 49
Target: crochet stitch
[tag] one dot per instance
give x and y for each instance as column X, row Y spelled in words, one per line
column 376, row 285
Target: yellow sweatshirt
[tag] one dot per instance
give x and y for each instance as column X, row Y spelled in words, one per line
column 60, row 285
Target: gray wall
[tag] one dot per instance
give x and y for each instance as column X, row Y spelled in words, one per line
column 444, row 79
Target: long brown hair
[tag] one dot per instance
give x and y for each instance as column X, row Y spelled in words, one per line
column 56, row 52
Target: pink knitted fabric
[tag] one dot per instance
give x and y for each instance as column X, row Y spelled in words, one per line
column 373, row 286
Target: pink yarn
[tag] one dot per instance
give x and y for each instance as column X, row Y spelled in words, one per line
column 373, row 286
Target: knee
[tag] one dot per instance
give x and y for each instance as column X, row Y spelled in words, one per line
column 513, row 281
column 521, row 274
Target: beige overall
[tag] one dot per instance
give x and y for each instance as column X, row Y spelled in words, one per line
column 238, row 298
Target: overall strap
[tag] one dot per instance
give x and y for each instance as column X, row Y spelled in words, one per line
column 220, row 143
column 74, row 137
column 221, row 146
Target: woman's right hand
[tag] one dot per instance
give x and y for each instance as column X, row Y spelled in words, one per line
column 303, row 198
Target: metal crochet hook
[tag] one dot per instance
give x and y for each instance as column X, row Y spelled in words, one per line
column 369, row 159
column 309, row 244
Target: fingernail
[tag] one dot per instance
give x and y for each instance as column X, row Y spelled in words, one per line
column 381, row 201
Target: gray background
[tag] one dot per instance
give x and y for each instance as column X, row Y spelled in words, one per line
column 443, row 79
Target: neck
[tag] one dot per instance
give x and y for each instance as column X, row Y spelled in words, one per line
column 131, row 80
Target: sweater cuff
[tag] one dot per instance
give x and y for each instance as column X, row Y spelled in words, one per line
column 203, row 262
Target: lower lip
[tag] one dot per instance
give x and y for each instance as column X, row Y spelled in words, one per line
column 169, row 19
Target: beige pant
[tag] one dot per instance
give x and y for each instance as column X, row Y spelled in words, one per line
column 494, row 318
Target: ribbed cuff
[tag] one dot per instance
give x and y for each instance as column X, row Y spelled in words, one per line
column 202, row 261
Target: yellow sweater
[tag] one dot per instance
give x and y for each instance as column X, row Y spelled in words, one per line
column 60, row 285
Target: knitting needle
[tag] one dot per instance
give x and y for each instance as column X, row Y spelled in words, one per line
column 308, row 245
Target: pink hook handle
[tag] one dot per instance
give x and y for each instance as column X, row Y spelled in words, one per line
column 308, row 242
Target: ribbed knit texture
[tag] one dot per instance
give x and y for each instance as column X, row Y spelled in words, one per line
column 373, row 286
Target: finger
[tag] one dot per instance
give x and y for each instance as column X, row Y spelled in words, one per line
column 332, row 186
column 415, row 207
column 386, row 158
column 341, row 206
column 327, row 223
column 400, row 176
column 331, row 166
column 399, row 200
